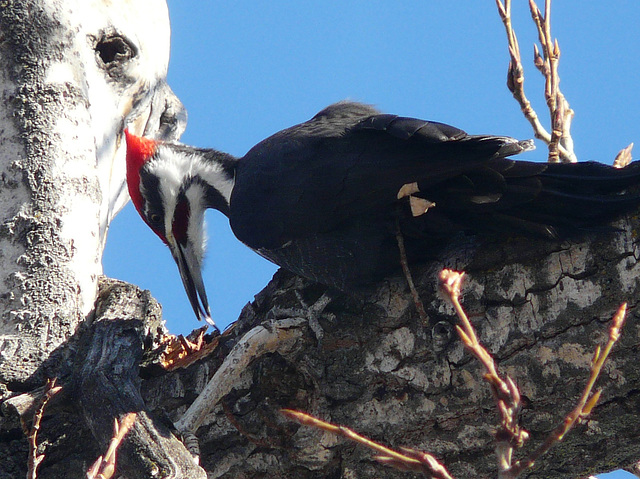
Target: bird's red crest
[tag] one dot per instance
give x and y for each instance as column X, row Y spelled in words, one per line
column 139, row 151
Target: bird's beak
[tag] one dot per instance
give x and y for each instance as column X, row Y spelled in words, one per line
column 191, row 274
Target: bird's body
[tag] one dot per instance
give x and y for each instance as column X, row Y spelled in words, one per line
column 324, row 199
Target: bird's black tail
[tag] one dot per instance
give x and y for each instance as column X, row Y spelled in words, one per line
column 551, row 200
column 582, row 197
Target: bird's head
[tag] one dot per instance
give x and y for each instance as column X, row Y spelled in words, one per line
column 169, row 187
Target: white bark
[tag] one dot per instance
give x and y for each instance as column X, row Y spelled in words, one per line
column 72, row 74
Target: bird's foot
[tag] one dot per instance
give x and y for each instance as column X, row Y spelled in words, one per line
column 311, row 313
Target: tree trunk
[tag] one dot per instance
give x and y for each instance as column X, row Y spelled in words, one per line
column 71, row 76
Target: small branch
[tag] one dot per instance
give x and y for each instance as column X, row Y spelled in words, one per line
column 505, row 392
column 587, row 401
column 548, row 66
column 407, row 274
column 34, row 458
column 278, row 336
column 559, row 140
column 411, row 460
column 105, row 466
column 515, row 74
column 509, row 435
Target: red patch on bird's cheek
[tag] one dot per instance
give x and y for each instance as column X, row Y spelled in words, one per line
column 139, row 151
column 160, row 235
column 181, row 221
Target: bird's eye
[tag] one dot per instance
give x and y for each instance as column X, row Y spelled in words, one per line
column 155, row 218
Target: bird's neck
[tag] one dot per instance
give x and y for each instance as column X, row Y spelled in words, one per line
column 218, row 170
column 186, row 167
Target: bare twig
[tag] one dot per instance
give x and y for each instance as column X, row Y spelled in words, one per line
column 409, row 460
column 105, row 466
column 34, row 458
column 623, row 158
column 587, row 401
column 407, row 274
column 509, row 436
column 515, row 74
column 548, row 66
column 559, row 140
column 277, row 336
column 505, row 392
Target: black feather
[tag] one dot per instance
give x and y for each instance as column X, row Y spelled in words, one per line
column 321, row 198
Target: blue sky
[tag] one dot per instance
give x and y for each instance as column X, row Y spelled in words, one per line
column 245, row 70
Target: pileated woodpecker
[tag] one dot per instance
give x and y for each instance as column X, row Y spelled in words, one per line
column 324, row 199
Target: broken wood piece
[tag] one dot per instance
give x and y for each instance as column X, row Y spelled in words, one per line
column 264, row 339
column 109, row 387
column 180, row 352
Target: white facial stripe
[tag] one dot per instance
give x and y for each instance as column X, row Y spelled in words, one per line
column 172, row 168
column 196, row 230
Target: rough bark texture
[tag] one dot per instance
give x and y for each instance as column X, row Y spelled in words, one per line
column 100, row 381
column 540, row 308
column 72, row 74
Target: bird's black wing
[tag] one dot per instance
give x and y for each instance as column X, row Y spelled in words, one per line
column 346, row 166
column 348, row 162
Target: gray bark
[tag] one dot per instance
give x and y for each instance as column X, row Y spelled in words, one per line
column 70, row 77
column 100, row 382
column 540, row 308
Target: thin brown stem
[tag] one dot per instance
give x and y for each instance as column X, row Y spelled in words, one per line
column 549, row 68
column 509, row 435
column 105, row 466
column 407, row 274
column 34, row 458
column 505, row 392
column 559, row 140
column 410, row 460
column 587, row 401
